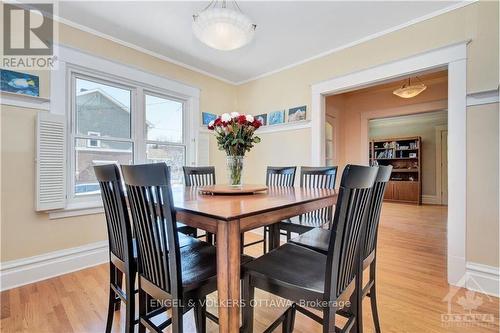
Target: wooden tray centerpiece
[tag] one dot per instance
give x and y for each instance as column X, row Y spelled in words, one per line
column 232, row 190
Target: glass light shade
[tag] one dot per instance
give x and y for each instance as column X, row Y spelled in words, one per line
column 223, row 28
column 409, row 91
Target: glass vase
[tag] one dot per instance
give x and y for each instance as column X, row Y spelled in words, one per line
column 234, row 166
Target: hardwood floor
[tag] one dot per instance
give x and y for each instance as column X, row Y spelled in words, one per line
column 411, row 288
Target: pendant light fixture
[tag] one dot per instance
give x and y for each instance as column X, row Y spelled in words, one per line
column 409, row 90
column 223, row 28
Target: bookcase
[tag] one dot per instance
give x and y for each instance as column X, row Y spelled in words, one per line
column 405, row 156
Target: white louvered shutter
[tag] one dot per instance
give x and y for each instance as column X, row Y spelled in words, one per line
column 203, row 149
column 50, row 162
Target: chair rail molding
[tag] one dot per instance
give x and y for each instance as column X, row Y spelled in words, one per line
column 16, row 273
column 24, row 101
column 483, row 97
column 454, row 58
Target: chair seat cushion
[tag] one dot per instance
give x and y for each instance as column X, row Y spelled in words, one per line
column 291, row 266
column 316, row 239
column 199, row 264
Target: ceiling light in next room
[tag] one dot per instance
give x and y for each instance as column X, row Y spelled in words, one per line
column 409, row 90
column 223, row 28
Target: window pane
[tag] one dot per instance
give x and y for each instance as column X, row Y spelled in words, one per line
column 174, row 156
column 102, row 109
column 107, row 152
column 163, row 119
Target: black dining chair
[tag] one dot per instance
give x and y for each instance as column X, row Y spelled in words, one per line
column 318, row 240
column 180, row 277
column 122, row 254
column 312, row 177
column 166, row 272
column 122, row 246
column 277, row 177
column 324, row 282
column 199, row 176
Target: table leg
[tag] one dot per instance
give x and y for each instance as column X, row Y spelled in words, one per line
column 274, row 236
column 228, row 275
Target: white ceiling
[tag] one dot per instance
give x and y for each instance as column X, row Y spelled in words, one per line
column 287, row 32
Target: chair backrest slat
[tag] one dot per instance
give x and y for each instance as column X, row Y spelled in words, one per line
column 349, row 221
column 115, row 210
column 322, row 178
column 280, row 176
column 373, row 218
column 199, row 176
column 153, row 216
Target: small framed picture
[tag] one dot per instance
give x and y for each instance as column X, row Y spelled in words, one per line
column 207, row 117
column 276, row 117
column 413, row 155
column 262, row 118
column 19, row 83
column 297, row 113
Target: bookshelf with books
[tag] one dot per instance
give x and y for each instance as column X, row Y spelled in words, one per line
column 404, row 154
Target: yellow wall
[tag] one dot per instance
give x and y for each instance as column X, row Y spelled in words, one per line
column 26, row 233
column 477, row 22
column 482, row 184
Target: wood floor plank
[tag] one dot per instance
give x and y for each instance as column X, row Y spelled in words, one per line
column 411, row 285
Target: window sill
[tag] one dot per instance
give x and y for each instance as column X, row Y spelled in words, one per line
column 78, row 209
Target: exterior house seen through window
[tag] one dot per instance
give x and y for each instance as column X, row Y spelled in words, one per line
column 105, row 130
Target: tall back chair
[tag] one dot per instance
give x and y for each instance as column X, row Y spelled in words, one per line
column 280, row 176
column 369, row 246
column 275, row 176
column 150, row 197
column 343, row 249
column 312, row 177
column 161, row 275
column 122, row 258
column 325, row 282
column 199, row 176
column 319, row 239
column 318, row 177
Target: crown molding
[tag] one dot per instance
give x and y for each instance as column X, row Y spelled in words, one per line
column 364, row 39
column 139, row 48
column 298, row 63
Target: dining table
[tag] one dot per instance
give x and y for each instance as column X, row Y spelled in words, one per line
column 227, row 216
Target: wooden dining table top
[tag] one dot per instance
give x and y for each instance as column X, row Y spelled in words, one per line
column 229, row 207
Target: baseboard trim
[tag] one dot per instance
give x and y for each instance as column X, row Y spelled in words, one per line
column 483, row 278
column 24, row 271
column 430, row 200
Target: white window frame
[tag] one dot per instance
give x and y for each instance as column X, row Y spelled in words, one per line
column 72, row 61
column 185, row 137
column 75, row 73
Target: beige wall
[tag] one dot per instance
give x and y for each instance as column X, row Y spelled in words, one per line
column 482, row 184
column 425, row 127
column 477, row 22
column 26, row 233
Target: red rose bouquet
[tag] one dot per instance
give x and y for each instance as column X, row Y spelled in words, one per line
column 235, row 135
